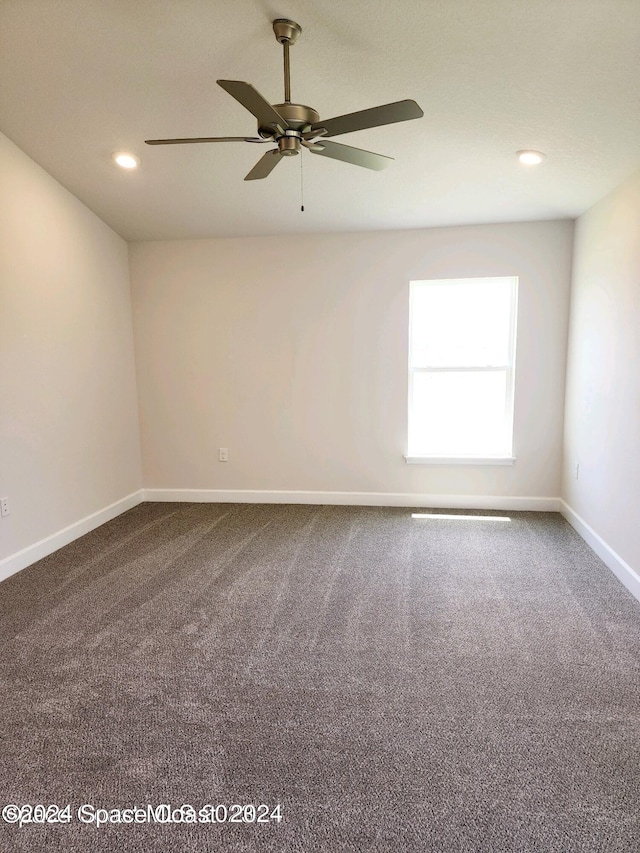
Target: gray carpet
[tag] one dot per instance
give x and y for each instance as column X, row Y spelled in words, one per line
column 394, row 684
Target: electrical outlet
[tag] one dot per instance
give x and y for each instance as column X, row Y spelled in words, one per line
column 4, row 506
column 223, row 454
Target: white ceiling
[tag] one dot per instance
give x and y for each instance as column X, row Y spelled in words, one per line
column 80, row 79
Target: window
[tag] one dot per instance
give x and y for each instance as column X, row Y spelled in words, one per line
column 461, row 369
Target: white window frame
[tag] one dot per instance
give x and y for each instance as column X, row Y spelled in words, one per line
column 508, row 368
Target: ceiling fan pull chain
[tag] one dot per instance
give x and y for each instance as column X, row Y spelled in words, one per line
column 301, row 188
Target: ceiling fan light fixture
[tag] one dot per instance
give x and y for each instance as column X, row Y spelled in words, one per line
column 530, row 158
column 125, row 160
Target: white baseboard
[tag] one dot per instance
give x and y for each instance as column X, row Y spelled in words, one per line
column 353, row 499
column 21, row 559
column 613, row 561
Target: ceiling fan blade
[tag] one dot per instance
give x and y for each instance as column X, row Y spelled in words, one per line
column 253, row 101
column 356, row 156
column 206, row 139
column 374, row 117
column 265, row 165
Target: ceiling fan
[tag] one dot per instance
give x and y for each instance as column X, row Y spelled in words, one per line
column 292, row 126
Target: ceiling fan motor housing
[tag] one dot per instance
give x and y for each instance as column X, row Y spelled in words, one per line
column 297, row 116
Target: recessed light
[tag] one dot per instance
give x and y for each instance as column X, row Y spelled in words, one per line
column 530, row 158
column 125, row 160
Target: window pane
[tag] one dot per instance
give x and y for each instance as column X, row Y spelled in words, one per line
column 461, row 323
column 459, row 413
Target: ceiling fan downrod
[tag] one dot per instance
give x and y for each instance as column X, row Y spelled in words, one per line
column 287, row 33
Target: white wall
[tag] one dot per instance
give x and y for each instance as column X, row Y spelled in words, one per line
column 292, row 352
column 602, row 422
column 69, row 442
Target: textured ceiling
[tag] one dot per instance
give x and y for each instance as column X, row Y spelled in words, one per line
column 81, row 79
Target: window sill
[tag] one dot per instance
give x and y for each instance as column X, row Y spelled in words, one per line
column 460, row 460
